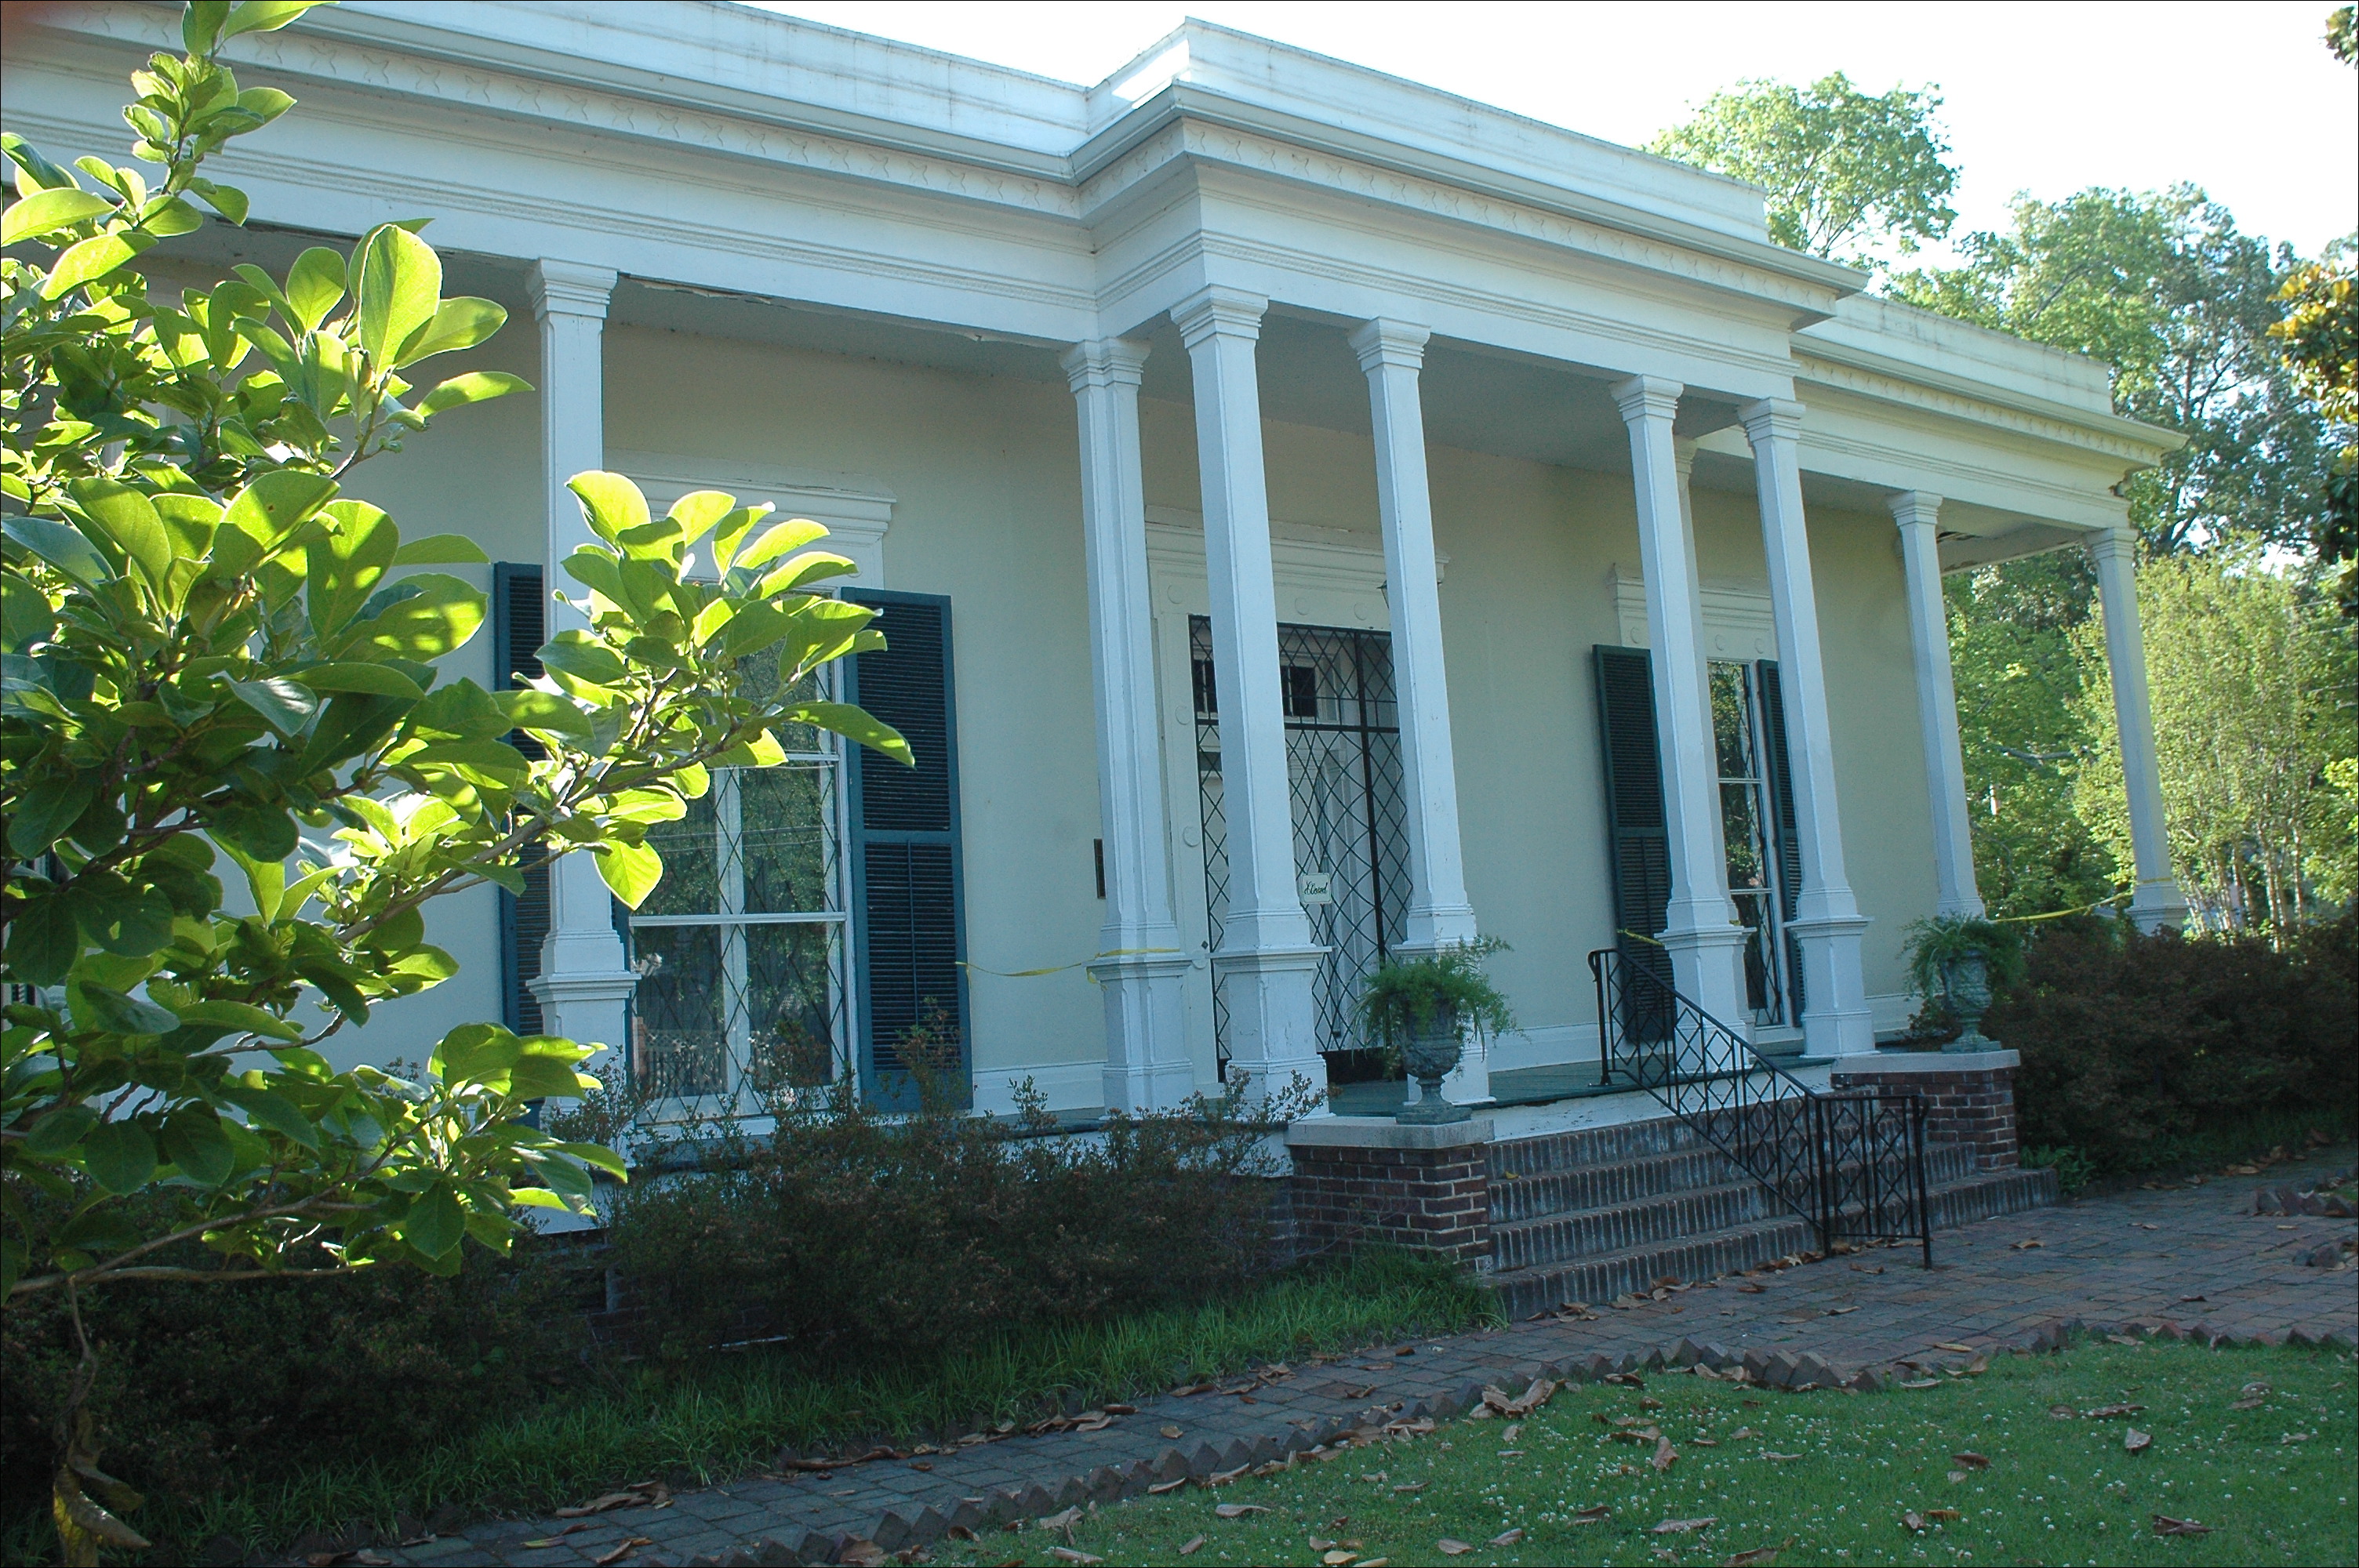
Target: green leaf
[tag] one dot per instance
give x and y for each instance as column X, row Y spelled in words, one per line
column 346, row 562
column 193, row 1141
column 274, row 504
column 268, row 1108
column 855, row 724
column 732, row 530
column 242, row 1017
column 440, row 615
column 599, row 1155
column 373, row 680
column 287, row 705
column 58, row 1132
column 253, row 828
column 780, row 538
column 49, row 211
column 108, row 1008
column 530, row 710
column 541, row 1077
column 129, row 519
column 315, row 286
column 612, row 503
column 698, row 511
column 89, row 260
column 226, row 199
column 63, row 546
column 265, row 104
column 119, row 1156
column 400, row 286
column 265, row 16
column 442, row 550
column 435, row 1223
column 475, row 387
column 812, row 566
column 44, row 940
column 460, row 323
column 168, row 215
column 201, row 25
column 631, row 870
column 46, row 810
column 574, row 654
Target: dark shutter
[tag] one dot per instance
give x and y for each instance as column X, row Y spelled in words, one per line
column 907, row 883
column 1637, row 829
column 1789, row 846
column 517, row 626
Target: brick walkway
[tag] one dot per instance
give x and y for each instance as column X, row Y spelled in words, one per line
column 2197, row 1259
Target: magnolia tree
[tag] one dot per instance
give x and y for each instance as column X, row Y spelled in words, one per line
column 218, row 665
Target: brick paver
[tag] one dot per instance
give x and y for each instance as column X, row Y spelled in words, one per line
column 2195, row 1259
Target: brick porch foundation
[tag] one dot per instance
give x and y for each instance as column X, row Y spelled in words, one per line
column 1365, row 1179
column 1969, row 1096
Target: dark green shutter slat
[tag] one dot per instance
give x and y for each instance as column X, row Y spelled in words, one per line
column 1790, row 840
column 517, row 625
column 907, row 891
column 1638, row 837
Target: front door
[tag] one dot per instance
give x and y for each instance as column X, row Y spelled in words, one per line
column 1351, row 833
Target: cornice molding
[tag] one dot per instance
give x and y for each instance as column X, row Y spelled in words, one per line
column 1892, row 381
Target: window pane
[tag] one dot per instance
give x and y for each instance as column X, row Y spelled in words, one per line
column 758, row 679
column 1760, row 994
column 691, row 883
column 1740, row 822
column 682, row 1008
column 793, row 1004
column 785, row 839
column 1731, row 733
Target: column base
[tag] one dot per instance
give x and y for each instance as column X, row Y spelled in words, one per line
column 1836, row 1021
column 2159, row 906
column 1146, row 1030
column 1969, row 1099
column 1707, row 968
column 585, row 1007
column 1273, row 1018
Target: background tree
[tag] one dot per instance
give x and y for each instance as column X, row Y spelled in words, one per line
column 2318, row 339
column 210, row 653
column 1849, row 174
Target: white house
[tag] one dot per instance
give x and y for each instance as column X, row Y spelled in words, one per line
column 1267, row 468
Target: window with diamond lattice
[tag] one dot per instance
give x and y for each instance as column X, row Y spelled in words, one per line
column 741, row 947
column 1350, row 814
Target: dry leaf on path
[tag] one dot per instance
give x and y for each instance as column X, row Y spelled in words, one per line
column 611, row 1501
column 1450, row 1547
column 2027, row 1243
column 2165, row 1525
column 1195, row 1545
column 1684, row 1526
column 862, row 1555
column 1753, row 1290
column 1507, row 1537
column 1238, row 1510
column 1665, row 1455
column 1171, row 1432
column 1953, row 1344
column 627, row 1546
column 2137, row 1442
column 557, row 1540
column 1972, row 1460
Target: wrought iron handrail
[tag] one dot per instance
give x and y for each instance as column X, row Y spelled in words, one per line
column 1851, row 1162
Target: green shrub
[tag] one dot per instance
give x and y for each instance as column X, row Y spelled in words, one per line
column 863, row 1232
column 2143, row 1052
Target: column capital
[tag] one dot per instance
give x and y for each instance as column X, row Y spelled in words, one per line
column 1912, row 508
column 1647, row 397
column 1104, row 362
column 1771, row 418
column 1683, row 457
column 570, row 288
column 2113, row 544
column 1220, row 312
column 1386, row 342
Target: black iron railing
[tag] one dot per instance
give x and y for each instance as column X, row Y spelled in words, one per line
column 1852, row 1163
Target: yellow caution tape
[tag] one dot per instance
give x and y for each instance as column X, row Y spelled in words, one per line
column 1060, row 968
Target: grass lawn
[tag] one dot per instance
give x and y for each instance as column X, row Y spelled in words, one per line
column 704, row 1421
column 1821, row 1478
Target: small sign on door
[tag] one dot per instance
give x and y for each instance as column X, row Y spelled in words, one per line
column 1316, row 887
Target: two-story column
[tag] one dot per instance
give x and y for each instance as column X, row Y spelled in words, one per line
column 1918, row 514
column 2155, row 902
column 1267, row 964
column 1392, row 354
column 1141, row 968
column 1701, row 932
column 1827, row 923
column 584, row 984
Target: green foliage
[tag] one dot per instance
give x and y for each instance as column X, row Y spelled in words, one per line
column 1931, row 943
column 1406, row 997
column 2074, row 1170
column 2133, row 1044
column 2255, row 686
column 2318, row 339
column 907, row 1235
column 1848, row 173
column 2163, row 286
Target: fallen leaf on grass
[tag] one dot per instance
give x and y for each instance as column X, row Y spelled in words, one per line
column 1684, row 1526
column 862, row 1555
column 1194, row 1545
column 1064, row 1521
column 1625, row 1379
column 1238, row 1510
column 1943, row 1516
column 1971, row 1461
column 1337, row 1558
column 1410, row 1486
column 2027, row 1244
column 1161, row 1488
column 1914, row 1523
column 2131, row 1340
column 1593, row 1514
column 2165, row 1525
column 1665, row 1455
column 2137, row 1442
column 1758, row 1556
column 1649, row 1402
column 2107, row 1413
column 1450, row 1547
column 1741, row 1433
column 2296, row 1437
column 2063, row 1413
column 1070, row 1554
column 1777, row 1458
column 1922, row 1383
column 627, row 1546
column 1507, row 1537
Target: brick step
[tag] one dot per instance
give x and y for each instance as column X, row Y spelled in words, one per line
column 1590, row 1146
column 1662, row 1219
column 1539, row 1286
column 1548, row 1194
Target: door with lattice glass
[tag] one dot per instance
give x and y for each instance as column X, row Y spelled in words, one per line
column 1350, row 831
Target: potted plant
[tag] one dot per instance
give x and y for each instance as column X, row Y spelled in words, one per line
column 1955, row 961
column 1420, row 1008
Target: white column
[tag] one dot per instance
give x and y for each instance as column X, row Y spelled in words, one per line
column 1916, row 512
column 1438, row 916
column 583, row 983
column 1701, row 930
column 1266, row 963
column 1827, row 924
column 2155, row 902
column 1143, row 970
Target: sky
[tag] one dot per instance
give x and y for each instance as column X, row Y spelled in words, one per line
column 2241, row 98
